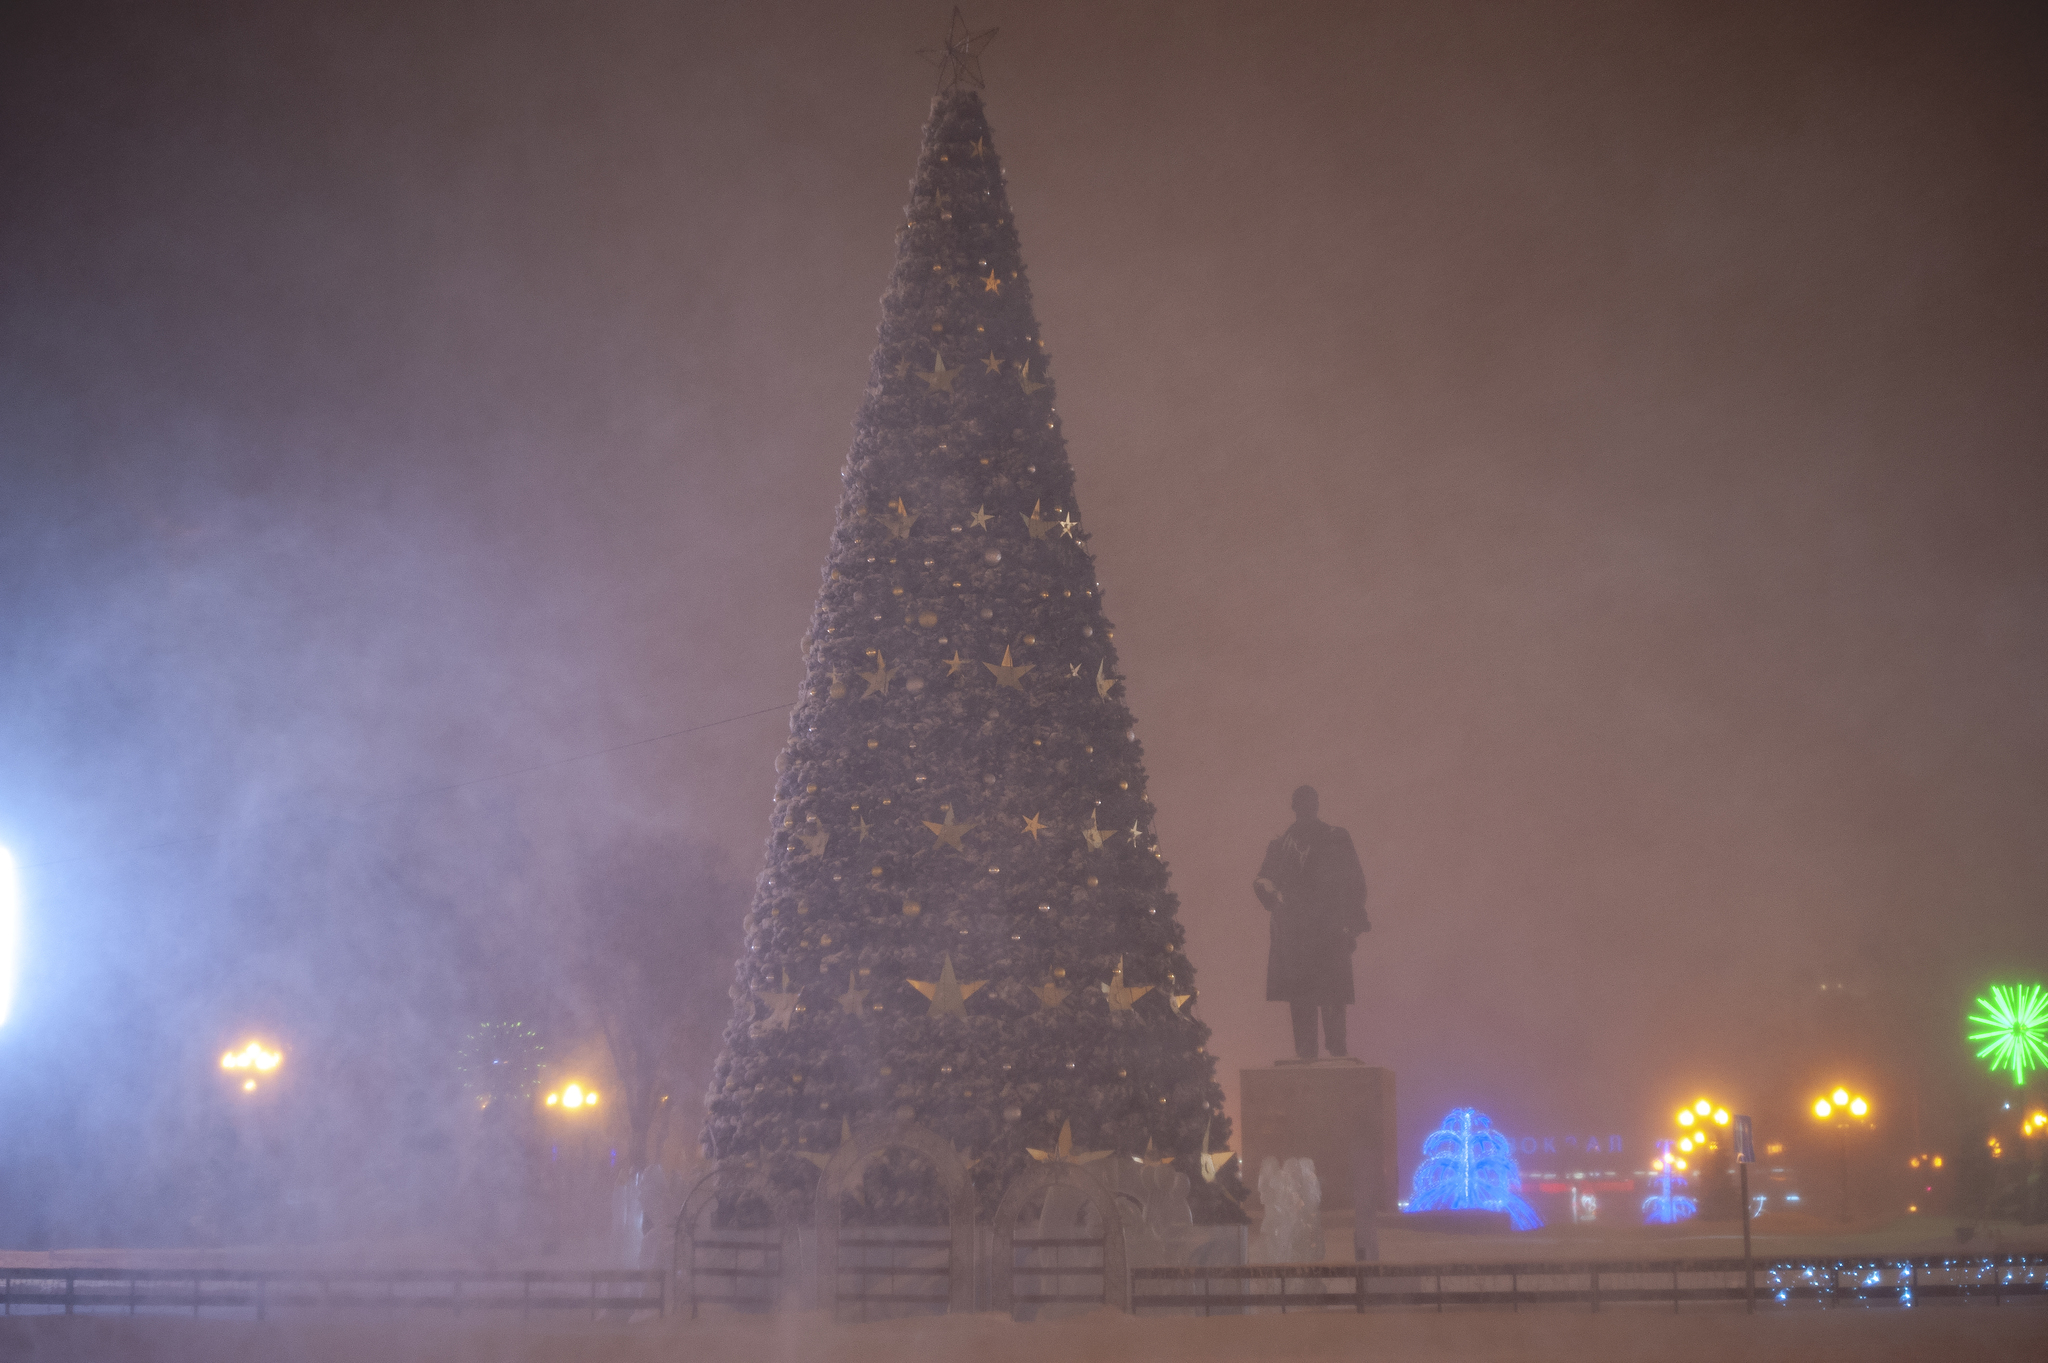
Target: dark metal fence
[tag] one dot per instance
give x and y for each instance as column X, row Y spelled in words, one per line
column 258, row 1295
column 1235, row 1289
column 1051, row 1262
column 882, row 1272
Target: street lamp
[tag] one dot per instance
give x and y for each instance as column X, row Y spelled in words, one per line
column 1702, row 1125
column 572, row 1098
column 1845, row 1109
column 251, row 1062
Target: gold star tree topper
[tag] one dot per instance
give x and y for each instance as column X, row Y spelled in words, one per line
column 959, row 56
column 949, row 833
column 948, row 995
column 1007, row 673
column 1063, row 1151
column 1120, row 995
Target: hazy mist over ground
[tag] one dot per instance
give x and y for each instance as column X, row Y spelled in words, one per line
column 1599, row 446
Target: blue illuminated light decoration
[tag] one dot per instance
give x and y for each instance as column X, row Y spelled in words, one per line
column 1664, row 1207
column 1468, row 1165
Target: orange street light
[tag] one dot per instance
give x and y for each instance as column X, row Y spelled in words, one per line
column 1844, row 1108
column 572, row 1098
column 253, row 1061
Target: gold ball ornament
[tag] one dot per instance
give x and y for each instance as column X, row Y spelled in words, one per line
column 911, row 908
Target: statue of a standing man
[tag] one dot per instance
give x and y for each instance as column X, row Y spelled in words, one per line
column 1313, row 887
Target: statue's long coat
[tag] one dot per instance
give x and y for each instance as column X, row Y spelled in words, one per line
column 1317, row 914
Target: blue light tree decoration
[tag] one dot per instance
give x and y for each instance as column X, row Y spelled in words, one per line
column 1466, row 1164
column 1664, row 1207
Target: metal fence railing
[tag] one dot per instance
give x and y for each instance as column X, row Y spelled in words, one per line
column 260, row 1294
column 1235, row 1289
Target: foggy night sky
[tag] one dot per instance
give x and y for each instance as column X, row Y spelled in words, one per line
column 1599, row 446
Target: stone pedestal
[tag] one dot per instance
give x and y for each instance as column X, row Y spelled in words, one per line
column 1336, row 1112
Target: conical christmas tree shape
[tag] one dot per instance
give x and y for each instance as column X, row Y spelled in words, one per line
column 962, row 890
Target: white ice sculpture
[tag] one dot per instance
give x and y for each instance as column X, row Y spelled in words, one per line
column 1291, row 1231
column 641, row 1217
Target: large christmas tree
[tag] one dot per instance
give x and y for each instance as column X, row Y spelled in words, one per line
column 964, row 915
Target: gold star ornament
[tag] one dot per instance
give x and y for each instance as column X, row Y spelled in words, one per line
column 1038, row 528
column 815, row 840
column 1095, row 836
column 1120, row 995
column 991, row 284
column 821, row 1158
column 1024, row 379
column 781, row 1007
column 1033, row 827
column 900, row 523
column 948, row 833
column 949, row 996
column 851, row 1000
column 1213, row 1160
column 956, row 662
column 979, row 519
column 1103, row 683
column 1050, row 995
column 877, row 680
column 1152, row 1155
column 1007, row 673
column 938, row 378
column 1063, row 1151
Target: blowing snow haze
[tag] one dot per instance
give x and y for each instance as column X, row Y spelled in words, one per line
column 1599, row 448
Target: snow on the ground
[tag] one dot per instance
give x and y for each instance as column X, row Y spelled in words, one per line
column 1980, row 1332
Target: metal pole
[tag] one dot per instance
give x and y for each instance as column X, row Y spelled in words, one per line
column 1844, row 1128
column 1748, row 1266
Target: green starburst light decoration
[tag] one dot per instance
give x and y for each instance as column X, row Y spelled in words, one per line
column 2013, row 1022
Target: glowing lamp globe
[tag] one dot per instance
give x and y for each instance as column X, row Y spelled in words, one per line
column 252, row 1062
column 573, row 1097
column 1823, row 1108
column 1841, row 1097
column 1703, row 1107
column 1857, row 1107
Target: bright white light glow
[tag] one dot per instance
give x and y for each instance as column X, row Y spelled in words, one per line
column 251, row 1057
column 10, row 931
